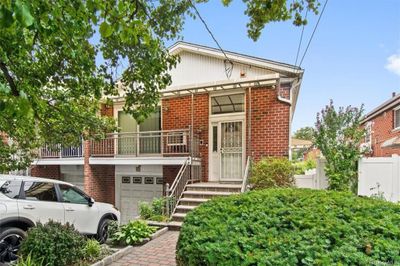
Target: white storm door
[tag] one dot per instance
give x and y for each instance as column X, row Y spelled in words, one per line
column 231, row 151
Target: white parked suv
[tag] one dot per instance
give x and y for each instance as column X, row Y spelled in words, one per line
column 25, row 200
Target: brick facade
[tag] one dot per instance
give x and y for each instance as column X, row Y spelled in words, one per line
column 382, row 130
column 46, row 171
column 99, row 180
column 269, row 123
column 177, row 114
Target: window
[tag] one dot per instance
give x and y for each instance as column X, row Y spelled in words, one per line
column 11, row 189
column 40, row 191
column 397, row 118
column 215, row 139
column 73, row 195
column 368, row 132
column 227, row 104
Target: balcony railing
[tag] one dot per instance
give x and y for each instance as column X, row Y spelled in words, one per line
column 57, row 151
column 135, row 144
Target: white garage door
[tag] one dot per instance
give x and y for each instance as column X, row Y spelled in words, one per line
column 134, row 189
column 77, row 180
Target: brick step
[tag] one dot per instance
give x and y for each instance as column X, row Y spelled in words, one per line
column 192, row 201
column 205, row 194
column 209, row 186
column 178, row 217
column 184, row 208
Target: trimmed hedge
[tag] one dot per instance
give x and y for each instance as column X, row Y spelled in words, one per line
column 291, row 227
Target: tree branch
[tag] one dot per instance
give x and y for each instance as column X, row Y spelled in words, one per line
column 9, row 79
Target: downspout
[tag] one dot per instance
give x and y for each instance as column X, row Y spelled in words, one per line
column 284, row 100
column 249, row 148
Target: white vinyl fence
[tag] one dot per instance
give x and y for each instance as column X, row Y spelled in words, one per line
column 380, row 177
column 314, row 178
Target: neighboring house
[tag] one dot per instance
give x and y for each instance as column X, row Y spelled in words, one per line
column 298, row 147
column 383, row 128
column 214, row 121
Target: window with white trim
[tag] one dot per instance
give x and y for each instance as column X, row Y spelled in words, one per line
column 368, row 132
column 396, row 114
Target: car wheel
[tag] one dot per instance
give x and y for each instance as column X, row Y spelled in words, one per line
column 10, row 241
column 102, row 231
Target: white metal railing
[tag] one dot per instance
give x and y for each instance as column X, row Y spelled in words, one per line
column 167, row 142
column 57, row 151
column 247, row 173
column 174, row 192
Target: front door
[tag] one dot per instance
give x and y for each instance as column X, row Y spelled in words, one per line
column 227, row 149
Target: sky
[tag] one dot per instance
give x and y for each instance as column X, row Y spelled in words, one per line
column 353, row 59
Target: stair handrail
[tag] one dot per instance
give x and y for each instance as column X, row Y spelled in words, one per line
column 246, row 175
column 174, row 192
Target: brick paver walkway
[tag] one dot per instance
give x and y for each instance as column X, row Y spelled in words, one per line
column 160, row 251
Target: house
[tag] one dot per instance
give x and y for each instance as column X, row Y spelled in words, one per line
column 299, row 147
column 382, row 126
column 205, row 119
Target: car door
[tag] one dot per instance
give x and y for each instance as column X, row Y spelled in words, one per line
column 85, row 218
column 39, row 202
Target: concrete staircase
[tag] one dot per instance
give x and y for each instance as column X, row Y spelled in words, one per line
column 198, row 193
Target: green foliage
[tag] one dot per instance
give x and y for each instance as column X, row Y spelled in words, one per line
column 145, row 210
column 301, row 167
column 113, row 227
column 48, row 72
column 133, row 233
column 291, row 227
column 28, row 261
column 54, row 243
column 338, row 135
column 154, row 211
column 272, row 172
column 306, row 133
column 92, row 249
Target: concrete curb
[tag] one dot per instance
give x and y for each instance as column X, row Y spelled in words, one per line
column 122, row 252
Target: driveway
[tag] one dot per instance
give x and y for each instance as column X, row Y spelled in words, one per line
column 160, row 251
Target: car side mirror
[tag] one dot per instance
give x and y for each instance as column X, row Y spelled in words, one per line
column 90, row 201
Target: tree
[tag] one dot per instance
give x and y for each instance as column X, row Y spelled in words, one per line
column 306, row 133
column 338, row 135
column 50, row 84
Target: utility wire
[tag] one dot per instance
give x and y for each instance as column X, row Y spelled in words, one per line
column 312, row 35
column 228, row 68
column 301, row 40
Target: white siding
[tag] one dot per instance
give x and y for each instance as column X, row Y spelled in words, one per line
column 196, row 68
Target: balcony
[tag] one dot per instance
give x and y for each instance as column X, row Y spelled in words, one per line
column 167, row 143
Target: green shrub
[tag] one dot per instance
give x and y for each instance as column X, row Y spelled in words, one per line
column 92, row 249
column 28, row 261
column 54, row 243
column 134, row 232
column 301, row 167
column 291, row 227
column 113, row 227
column 153, row 211
column 271, row 173
column 145, row 210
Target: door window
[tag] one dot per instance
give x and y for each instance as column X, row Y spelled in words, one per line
column 11, row 189
column 41, row 191
column 72, row 195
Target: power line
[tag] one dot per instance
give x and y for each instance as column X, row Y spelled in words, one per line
column 300, row 42
column 312, row 35
column 228, row 69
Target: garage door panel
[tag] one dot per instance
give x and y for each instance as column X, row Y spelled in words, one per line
column 131, row 194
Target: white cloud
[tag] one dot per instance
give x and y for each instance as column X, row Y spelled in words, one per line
column 393, row 63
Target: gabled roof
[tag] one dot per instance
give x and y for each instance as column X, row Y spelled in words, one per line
column 392, row 102
column 283, row 68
